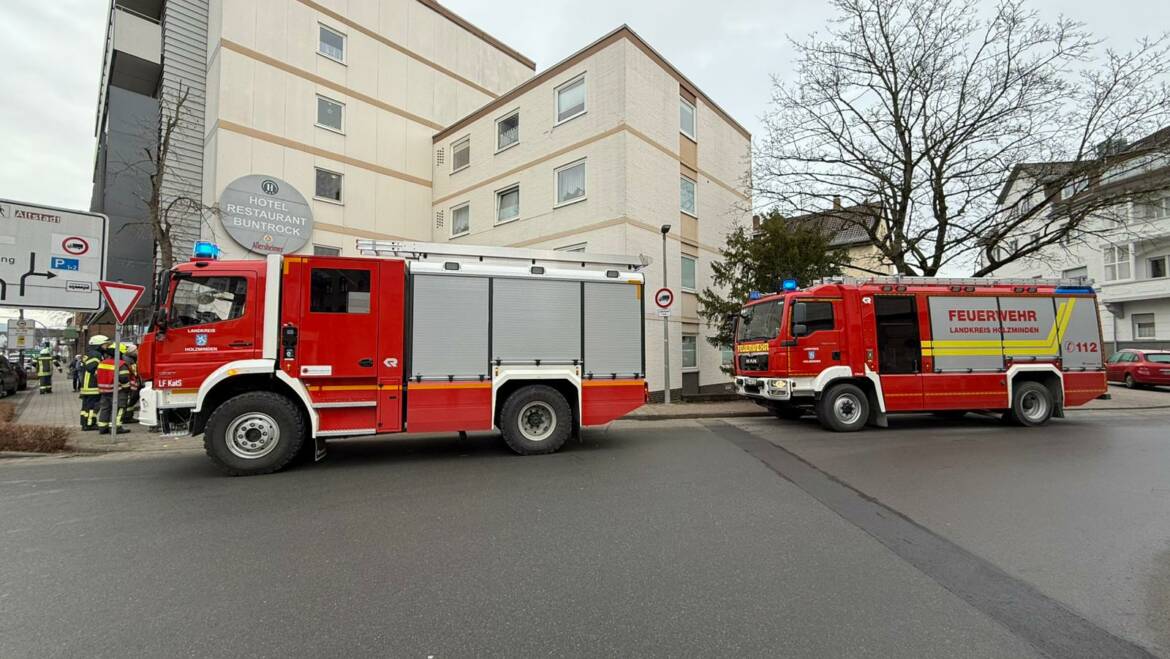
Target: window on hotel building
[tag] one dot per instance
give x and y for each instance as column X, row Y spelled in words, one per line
column 330, row 114
column 508, row 131
column 571, row 183
column 1079, row 272
column 460, row 220
column 325, row 250
column 690, row 351
column 688, row 273
column 331, row 44
column 328, row 185
column 686, row 195
column 460, row 154
column 1117, row 264
column 686, row 117
column 508, row 204
column 1157, row 267
column 571, row 99
column 1143, row 326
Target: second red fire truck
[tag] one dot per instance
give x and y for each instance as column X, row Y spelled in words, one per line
column 855, row 350
column 262, row 357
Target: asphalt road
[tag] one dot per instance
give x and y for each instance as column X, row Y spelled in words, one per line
column 661, row 539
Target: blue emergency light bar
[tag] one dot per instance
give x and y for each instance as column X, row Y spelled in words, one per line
column 1074, row 289
column 206, row 250
column 755, row 295
column 789, row 284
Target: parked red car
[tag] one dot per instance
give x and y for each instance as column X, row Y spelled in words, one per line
column 1137, row 368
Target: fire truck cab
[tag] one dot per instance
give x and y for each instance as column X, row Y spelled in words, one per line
column 853, row 351
column 264, row 357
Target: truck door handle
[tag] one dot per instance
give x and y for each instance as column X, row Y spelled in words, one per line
column 240, row 344
column 366, row 363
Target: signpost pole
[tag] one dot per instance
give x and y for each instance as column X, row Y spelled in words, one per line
column 665, row 323
column 117, row 381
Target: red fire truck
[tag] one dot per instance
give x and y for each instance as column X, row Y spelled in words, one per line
column 854, row 350
column 262, row 357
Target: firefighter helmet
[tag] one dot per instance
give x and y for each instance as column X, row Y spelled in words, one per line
column 128, row 348
column 98, row 340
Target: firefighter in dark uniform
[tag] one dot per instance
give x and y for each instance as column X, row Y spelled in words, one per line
column 130, row 358
column 45, row 370
column 90, row 396
column 106, row 381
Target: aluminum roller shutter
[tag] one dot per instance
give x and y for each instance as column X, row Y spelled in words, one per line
column 536, row 319
column 450, row 334
column 613, row 329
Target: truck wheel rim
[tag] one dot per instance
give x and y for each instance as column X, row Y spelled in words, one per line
column 252, row 436
column 1033, row 405
column 537, row 421
column 847, row 408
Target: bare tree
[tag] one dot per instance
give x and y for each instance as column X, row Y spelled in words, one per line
column 925, row 108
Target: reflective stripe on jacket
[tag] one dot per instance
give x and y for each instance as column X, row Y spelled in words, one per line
column 105, row 376
column 89, row 375
column 44, row 366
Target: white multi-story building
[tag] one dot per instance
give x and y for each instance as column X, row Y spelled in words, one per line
column 1125, row 250
column 397, row 119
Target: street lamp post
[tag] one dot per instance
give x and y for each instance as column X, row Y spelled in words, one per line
column 665, row 322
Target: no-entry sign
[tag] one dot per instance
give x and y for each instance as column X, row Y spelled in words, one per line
column 664, row 297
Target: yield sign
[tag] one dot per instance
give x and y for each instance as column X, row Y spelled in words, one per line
column 120, row 297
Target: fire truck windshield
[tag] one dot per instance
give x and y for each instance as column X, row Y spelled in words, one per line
column 760, row 321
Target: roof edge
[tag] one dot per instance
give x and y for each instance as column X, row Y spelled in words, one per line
column 471, row 27
column 621, row 32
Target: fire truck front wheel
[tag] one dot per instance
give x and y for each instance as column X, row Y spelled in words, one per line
column 536, row 419
column 843, row 408
column 258, row 432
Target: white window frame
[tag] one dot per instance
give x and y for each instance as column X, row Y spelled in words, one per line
column 451, row 214
column 1153, row 323
column 318, row 124
column 1165, row 270
column 500, row 194
column 682, row 360
column 1110, row 259
column 693, row 135
column 557, row 184
column 344, row 43
column 454, row 146
column 694, row 195
column 557, row 99
column 317, row 246
column 513, row 113
column 694, row 273
column 340, row 186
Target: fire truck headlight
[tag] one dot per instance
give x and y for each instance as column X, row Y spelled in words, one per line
column 778, row 384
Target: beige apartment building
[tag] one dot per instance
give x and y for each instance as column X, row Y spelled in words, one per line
column 398, row 119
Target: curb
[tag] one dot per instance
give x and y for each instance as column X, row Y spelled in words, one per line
column 732, row 415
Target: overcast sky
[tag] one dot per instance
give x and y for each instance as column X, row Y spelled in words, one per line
column 52, row 52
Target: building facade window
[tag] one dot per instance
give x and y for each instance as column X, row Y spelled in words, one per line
column 1117, row 265
column 460, row 220
column 686, row 194
column 328, row 185
column 331, row 43
column 1080, row 272
column 508, row 131
column 688, row 273
column 686, row 118
column 325, row 250
column 571, row 99
column 570, row 183
column 330, row 114
column 508, row 204
column 460, row 154
column 1143, row 326
column 1156, row 267
column 690, row 351
column 1151, row 209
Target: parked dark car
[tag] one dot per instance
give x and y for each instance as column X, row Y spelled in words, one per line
column 9, row 379
column 1139, row 368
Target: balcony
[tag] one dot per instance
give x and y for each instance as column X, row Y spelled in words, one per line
column 134, row 51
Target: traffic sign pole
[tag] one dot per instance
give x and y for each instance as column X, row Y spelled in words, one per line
column 117, row 381
column 121, row 299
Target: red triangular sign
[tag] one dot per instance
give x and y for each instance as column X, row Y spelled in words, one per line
column 120, row 297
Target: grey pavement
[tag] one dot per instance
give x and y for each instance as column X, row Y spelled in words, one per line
column 657, row 539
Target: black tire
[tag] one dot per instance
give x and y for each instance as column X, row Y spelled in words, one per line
column 843, row 408
column 1032, row 404
column 1129, row 381
column 526, row 412
column 261, row 410
column 787, row 412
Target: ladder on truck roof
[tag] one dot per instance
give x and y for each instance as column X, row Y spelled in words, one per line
column 443, row 252
column 960, row 281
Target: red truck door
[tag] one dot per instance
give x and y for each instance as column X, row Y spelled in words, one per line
column 819, row 323
column 896, row 351
column 336, row 320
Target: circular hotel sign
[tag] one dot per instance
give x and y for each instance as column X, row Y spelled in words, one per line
column 266, row 215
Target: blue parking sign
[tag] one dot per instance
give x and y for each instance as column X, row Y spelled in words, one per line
column 62, row 263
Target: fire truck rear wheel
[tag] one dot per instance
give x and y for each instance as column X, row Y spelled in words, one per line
column 1032, row 404
column 254, row 433
column 843, row 408
column 536, row 419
